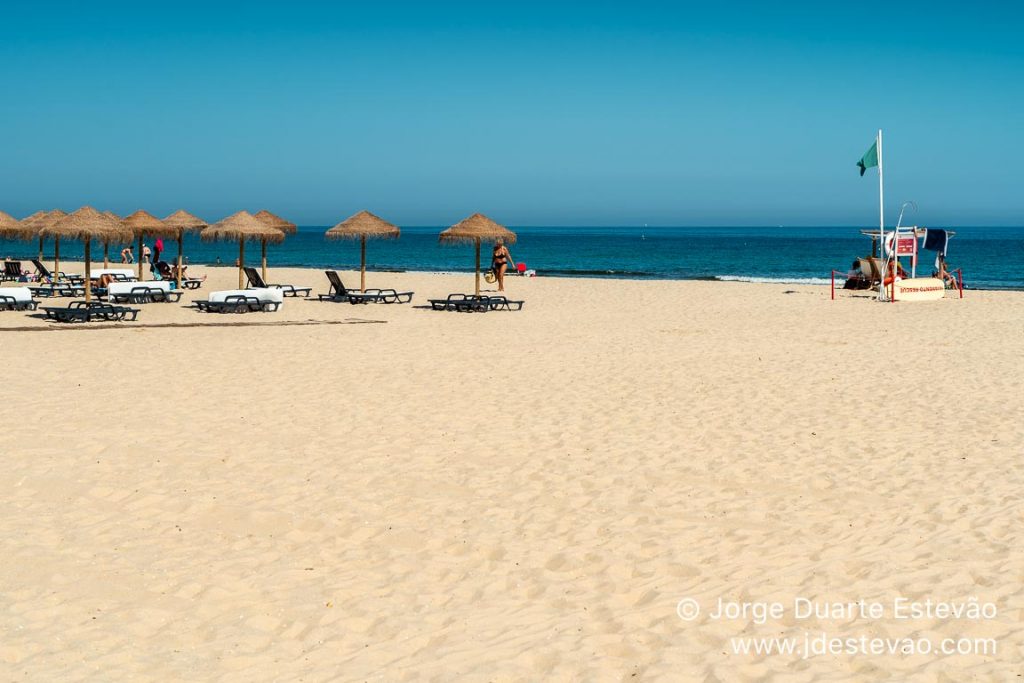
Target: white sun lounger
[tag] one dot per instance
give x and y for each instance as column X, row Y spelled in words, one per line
column 16, row 298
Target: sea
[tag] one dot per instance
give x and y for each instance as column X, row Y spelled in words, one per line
column 990, row 257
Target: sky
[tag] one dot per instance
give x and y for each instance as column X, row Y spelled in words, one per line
column 535, row 113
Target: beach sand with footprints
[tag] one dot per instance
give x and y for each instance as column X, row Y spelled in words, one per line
column 337, row 492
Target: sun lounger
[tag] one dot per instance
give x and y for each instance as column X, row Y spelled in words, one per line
column 142, row 292
column 474, row 303
column 80, row 311
column 119, row 274
column 17, row 299
column 466, row 303
column 340, row 293
column 12, row 271
column 242, row 301
column 55, row 277
column 500, row 303
column 58, row 289
column 256, row 282
column 167, row 272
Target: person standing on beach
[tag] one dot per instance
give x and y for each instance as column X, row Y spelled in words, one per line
column 500, row 258
column 146, row 253
column 127, row 256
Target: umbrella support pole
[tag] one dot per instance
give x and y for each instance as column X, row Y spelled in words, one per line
column 106, row 254
column 56, row 256
column 263, row 254
column 40, row 248
column 177, row 277
column 88, row 270
column 362, row 264
column 478, row 266
column 241, row 262
column 139, row 256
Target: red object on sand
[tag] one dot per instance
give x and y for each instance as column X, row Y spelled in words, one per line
column 521, row 267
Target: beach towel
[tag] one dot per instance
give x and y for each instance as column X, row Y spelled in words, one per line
column 936, row 240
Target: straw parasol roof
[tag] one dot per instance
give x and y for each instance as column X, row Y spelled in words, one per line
column 11, row 228
column 27, row 221
column 241, row 226
column 144, row 223
column 35, row 223
column 275, row 221
column 363, row 224
column 183, row 221
column 477, row 227
column 85, row 224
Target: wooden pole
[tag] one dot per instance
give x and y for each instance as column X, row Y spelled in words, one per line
column 362, row 264
column 88, row 269
column 177, row 278
column 241, row 262
column 56, row 256
column 263, row 248
column 139, row 257
column 106, row 254
column 40, row 248
column 478, row 266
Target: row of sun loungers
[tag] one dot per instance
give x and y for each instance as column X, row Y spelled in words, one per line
column 259, row 297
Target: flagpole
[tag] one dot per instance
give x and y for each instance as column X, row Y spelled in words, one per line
column 881, row 215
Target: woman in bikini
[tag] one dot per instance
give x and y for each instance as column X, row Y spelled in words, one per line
column 499, row 262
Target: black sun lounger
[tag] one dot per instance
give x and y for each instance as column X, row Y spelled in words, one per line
column 340, row 293
column 58, row 289
column 474, row 303
column 500, row 303
column 80, row 311
column 59, row 276
column 9, row 303
column 255, row 281
column 12, row 271
column 237, row 303
column 167, row 272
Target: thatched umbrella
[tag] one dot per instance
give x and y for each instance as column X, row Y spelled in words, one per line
column 36, row 223
column 274, row 221
column 12, row 229
column 28, row 231
column 181, row 222
column 361, row 226
column 106, row 242
column 474, row 229
column 143, row 223
column 86, row 224
column 241, row 226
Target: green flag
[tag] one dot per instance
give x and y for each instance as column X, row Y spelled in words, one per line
column 869, row 159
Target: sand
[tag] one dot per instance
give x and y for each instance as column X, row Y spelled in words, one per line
column 522, row 496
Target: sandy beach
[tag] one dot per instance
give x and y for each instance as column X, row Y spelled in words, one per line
column 388, row 493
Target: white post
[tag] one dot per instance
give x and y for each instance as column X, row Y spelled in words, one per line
column 881, row 217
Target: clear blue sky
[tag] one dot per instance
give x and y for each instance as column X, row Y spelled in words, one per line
column 536, row 113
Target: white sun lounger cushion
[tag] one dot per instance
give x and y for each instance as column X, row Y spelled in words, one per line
column 21, row 294
column 97, row 272
column 261, row 294
column 118, row 288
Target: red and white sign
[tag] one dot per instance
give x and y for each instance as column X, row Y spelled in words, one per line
column 906, row 244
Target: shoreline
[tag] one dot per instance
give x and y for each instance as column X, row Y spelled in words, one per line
column 575, row 275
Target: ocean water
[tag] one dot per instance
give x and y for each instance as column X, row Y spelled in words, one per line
column 991, row 258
